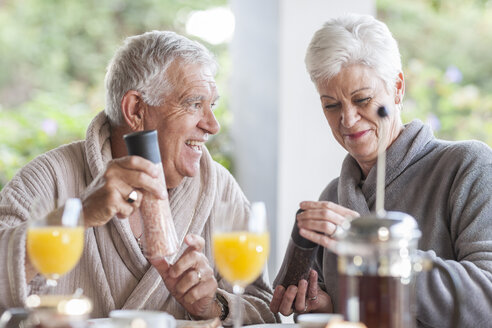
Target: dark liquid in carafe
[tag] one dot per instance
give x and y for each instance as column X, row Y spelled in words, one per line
column 383, row 302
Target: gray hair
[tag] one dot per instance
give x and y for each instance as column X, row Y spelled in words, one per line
column 353, row 39
column 141, row 64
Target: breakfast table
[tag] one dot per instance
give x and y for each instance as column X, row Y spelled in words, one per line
column 108, row 323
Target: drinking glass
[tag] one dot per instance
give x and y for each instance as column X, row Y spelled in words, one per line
column 54, row 247
column 241, row 248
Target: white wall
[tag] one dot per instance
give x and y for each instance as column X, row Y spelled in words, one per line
column 308, row 155
column 284, row 150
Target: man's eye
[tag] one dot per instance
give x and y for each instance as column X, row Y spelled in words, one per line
column 195, row 106
column 213, row 106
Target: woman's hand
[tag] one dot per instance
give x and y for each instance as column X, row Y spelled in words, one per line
column 191, row 280
column 319, row 220
column 305, row 297
column 108, row 195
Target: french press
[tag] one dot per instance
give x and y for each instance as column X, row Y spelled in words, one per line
column 377, row 269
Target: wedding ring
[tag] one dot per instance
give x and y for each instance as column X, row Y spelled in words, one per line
column 132, row 197
column 199, row 275
column 334, row 231
column 313, row 298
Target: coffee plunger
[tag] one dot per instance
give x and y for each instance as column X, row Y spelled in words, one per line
column 376, row 262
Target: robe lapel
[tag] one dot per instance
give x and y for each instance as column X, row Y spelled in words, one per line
column 350, row 193
column 400, row 154
column 190, row 203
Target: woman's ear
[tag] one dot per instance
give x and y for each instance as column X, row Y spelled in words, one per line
column 400, row 88
column 133, row 110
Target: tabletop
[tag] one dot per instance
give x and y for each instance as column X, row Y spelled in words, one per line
column 107, row 323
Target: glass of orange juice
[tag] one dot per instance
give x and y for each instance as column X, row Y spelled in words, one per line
column 241, row 247
column 55, row 246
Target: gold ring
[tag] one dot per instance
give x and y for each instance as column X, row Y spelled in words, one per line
column 132, row 197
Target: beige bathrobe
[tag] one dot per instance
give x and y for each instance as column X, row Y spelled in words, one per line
column 112, row 271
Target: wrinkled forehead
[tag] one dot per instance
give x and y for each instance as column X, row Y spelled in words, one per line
column 190, row 72
column 185, row 76
column 351, row 76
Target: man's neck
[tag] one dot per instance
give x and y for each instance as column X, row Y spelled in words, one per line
column 118, row 148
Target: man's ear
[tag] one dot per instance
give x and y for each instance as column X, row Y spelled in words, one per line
column 400, row 88
column 133, row 109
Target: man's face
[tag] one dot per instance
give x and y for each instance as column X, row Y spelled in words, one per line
column 184, row 120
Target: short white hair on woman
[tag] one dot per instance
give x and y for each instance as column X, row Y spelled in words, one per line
column 141, row 64
column 353, row 39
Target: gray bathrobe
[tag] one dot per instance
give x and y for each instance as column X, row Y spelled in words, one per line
column 447, row 188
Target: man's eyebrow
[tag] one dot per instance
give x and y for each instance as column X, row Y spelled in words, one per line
column 193, row 98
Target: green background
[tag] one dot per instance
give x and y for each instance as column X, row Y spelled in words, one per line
column 53, row 57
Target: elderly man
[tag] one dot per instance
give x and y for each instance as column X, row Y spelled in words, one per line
column 157, row 80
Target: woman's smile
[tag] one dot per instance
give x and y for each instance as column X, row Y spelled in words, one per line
column 356, row 135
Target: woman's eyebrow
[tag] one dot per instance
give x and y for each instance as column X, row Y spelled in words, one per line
column 365, row 88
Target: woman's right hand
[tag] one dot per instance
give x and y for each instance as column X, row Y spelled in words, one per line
column 320, row 219
column 305, row 297
column 108, row 194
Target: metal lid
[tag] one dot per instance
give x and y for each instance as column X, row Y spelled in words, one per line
column 381, row 229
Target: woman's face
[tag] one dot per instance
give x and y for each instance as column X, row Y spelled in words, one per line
column 350, row 101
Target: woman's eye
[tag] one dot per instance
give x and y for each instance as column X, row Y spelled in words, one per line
column 329, row 107
column 363, row 100
column 213, row 106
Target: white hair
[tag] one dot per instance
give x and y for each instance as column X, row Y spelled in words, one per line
column 353, row 39
column 141, row 64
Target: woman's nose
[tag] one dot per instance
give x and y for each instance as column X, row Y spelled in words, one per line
column 350, row 116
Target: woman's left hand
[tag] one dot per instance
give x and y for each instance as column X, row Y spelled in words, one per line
column 303, row 298
column 191, row 280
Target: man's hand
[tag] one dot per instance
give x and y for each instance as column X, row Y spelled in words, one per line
column 109, row 195
column 191, row 280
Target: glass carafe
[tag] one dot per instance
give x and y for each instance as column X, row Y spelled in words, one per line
column 376, row 257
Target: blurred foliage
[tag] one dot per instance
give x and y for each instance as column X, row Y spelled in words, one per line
column 53, row 57
column 445, row 48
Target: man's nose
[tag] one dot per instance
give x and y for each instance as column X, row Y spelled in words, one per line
column 209, row 123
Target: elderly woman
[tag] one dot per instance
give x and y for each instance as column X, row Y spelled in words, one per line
column 355, row 65
column 157, row 80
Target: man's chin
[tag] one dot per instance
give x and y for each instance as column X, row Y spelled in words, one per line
column 192, row 170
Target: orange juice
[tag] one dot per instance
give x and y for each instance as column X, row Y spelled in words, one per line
column 55, row 250
column 240, row 256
